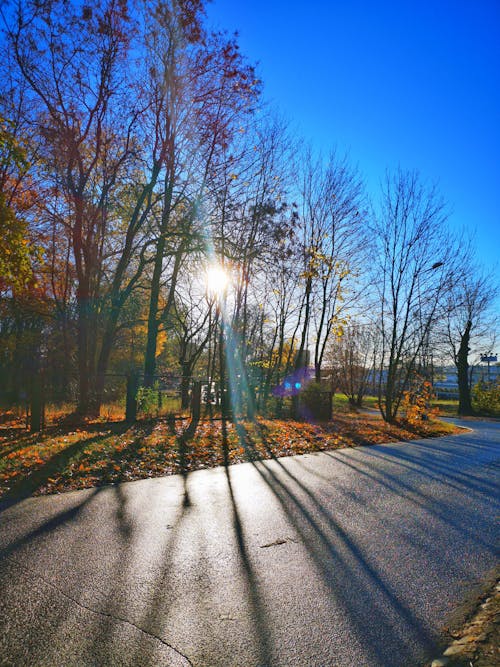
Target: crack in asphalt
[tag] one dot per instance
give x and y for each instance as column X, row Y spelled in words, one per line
column 277, row 543
column 120, row 619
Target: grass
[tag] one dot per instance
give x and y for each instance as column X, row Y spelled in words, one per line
column 341, row 403
column 447, row 407
column 111, row 411
column 114, row 411
column 66, row 458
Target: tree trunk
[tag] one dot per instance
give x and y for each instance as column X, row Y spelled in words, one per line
column 389, row 413
column 300, row 361
column 108, row 341
column 462, row 364
column 84, row 407
column 153, row 323
column 185, row 379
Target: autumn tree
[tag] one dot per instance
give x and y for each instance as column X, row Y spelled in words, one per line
column 23, row 313
column 71, row 62
column 101, row 156
column 205, row 88
column 15, row 253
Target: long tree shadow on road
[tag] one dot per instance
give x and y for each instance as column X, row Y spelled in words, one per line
column 137, row 571
column 48, row 526
column 150, row 554
column 262, row 627
column 112, row 527
column 142, row 558
column 354, row 583
column 112, row 517
column 438, row 469
column 57, row 463
column 395, row 484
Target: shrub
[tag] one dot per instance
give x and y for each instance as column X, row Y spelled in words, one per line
column 486, row 397
column 316, row 401
column 417, row 401
column 147, row 400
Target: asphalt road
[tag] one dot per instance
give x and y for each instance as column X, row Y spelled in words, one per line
column 351, row 557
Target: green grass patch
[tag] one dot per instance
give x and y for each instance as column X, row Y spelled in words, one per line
column 341, row 403
column 447, row 407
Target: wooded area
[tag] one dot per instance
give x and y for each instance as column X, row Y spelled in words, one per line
column 159, row 221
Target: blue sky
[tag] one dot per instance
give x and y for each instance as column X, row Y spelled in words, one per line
column 409, row 83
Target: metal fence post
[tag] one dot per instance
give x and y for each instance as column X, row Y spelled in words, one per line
column 196, row 401
column 36, row 404
column 131, row 400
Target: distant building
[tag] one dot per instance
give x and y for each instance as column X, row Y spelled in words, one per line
column 446, row 384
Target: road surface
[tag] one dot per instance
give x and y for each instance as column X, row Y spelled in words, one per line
column 349, row 557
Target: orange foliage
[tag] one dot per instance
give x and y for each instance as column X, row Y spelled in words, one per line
column 61, row 460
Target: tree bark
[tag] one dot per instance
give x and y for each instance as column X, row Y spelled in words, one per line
column 153, row 323
column 462, row 364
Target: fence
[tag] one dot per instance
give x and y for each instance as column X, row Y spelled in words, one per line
column 125, row 397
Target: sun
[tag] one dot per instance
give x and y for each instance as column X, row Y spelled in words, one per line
column 217, row 279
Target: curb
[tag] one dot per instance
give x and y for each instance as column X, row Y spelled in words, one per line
column 472, row 633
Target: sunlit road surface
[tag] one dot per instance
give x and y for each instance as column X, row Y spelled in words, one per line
column 353, row 557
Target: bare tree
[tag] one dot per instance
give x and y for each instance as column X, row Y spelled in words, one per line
column 332, row 232
column 470, row 318
column 205, row 88
column 248, row 220
column 414, row 269
column 353, row 357
column 282, row 306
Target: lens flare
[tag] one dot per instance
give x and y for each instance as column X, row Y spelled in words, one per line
column 217, row 279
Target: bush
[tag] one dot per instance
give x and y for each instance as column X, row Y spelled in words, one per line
column 417, row 401
column 316, row 401
column 147, row 400
column 486, row 397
